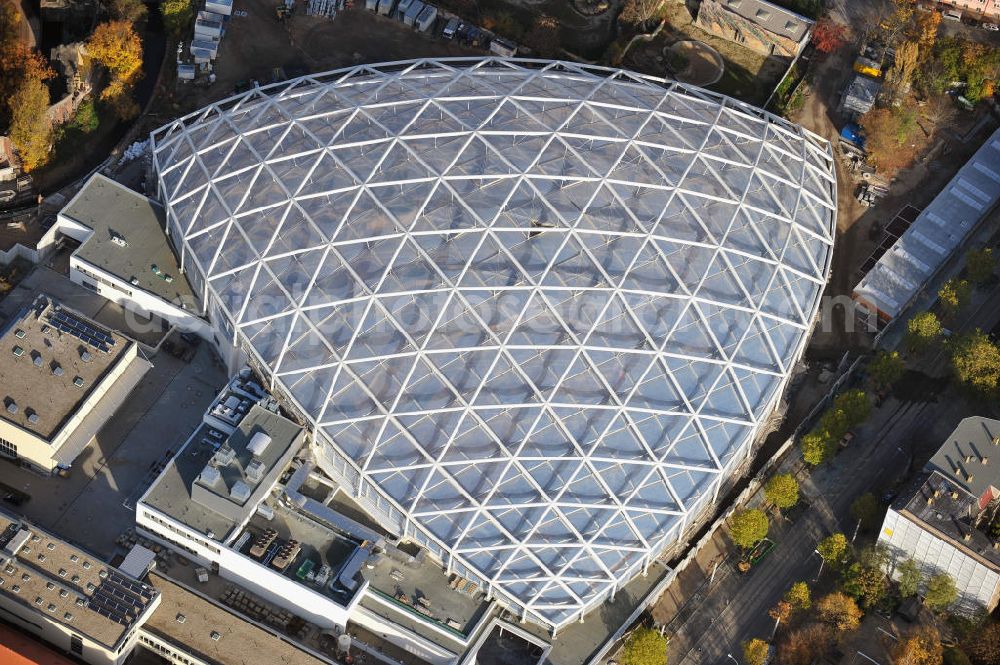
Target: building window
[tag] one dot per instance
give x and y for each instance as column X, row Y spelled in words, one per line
column 8, row 449
column 76, row 644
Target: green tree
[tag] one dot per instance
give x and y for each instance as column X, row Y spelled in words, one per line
column 941, row 592
column 645, row 646
column 798, row 596
column 975, row 362
column 866, row 510
column 817, row 447
column 850, row 408
column 867, row 584
column 839, row 611
column 922, row 331
column 177, row 15
column 30, row 127
column 954, row 295
column 755, row 651
column 833, row 548
column 886, row 368
column 909, row 578
column 980, row 264
column 782, row 490
column 748, row 527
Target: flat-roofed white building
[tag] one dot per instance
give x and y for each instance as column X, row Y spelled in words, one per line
column 67, row 597
column 943, row 522
column 61, row 377
column 124, row 254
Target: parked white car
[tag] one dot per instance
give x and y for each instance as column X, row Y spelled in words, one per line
column 992, row 27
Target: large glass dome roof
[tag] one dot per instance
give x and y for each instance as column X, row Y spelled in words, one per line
column 541, row 308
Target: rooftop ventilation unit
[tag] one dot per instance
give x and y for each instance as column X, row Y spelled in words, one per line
column 32, row 417
column 85, row 356
column 255, row 472
column 118, row 239
column 19, row 333
column 134, row 281
column 258, row 444
column 209, row 475
column 11, row 406
column 224, row 456
column 36, row 358
column 57, row 369
column 78, row 381
column 240, row 491
column 18, row 351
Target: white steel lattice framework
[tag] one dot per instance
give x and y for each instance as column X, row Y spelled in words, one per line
column 538, row 310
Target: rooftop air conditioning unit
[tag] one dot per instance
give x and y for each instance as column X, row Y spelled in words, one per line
column 11, row 406
column 209, row 475
column 258, row 444
column 255, row 472
column 85, row 356
column 224, row 456
column 33, row 418
column 240, row 491
column 118, row 239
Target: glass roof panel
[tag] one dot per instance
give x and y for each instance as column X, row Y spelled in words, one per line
column 554, row 284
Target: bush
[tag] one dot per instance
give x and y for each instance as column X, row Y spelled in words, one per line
column 85, row 120
column 645, row 646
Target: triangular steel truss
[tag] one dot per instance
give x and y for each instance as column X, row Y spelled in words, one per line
column 559, row 299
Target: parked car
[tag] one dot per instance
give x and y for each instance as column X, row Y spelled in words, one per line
column 992, row 27
column 450, row 29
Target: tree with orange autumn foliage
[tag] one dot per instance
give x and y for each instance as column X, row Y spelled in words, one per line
column 922, row 646
column 117, row 48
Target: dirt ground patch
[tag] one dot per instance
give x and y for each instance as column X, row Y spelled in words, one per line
column 258, row 43
column 696, row 63
column 748, row 75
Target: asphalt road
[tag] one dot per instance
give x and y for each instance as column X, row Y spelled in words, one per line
column 898, row 439
column 736, row 609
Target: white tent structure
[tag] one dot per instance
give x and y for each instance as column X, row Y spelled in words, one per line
column 535, row 312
